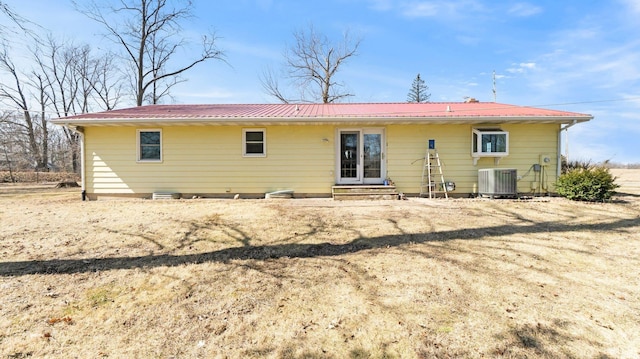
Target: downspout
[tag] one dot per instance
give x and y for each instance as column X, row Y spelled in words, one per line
column 80, row 131
column 559, row 159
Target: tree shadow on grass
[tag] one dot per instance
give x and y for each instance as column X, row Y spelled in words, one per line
column 295, row 250
column 539, row 341
column 626, row 194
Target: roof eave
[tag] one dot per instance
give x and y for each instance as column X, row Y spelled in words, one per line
column 320, row 120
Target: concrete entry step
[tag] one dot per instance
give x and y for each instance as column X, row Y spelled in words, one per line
column 364, row 192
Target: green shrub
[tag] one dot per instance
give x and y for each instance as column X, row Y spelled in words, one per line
column 590, row 183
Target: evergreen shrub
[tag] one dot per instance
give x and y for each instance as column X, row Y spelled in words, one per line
column 588, row 183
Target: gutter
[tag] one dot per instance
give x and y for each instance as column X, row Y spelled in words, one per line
column 559, row 159
column 80, row 131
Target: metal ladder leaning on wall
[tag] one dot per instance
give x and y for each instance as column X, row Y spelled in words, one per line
column 432, row 177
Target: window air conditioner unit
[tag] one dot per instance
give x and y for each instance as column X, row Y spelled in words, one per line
column 501, row 182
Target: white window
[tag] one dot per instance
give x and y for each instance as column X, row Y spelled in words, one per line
column 254, row 142
column 149, row 145
column 490, row 143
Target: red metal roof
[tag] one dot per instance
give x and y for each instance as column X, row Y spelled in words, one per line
column 237, row 113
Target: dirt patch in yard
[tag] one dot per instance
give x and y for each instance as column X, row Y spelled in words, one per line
column 315, row 278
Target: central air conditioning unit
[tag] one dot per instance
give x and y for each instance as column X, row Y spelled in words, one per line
column 502, row 182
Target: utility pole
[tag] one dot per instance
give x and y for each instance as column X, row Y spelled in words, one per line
column 495, row 91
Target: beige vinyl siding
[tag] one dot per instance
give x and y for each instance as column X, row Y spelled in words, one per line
column 407, row 145
column 208, row 159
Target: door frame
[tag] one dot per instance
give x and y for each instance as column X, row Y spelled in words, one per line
column 360, row 179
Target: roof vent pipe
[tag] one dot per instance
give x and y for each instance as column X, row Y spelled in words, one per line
column 448, row 108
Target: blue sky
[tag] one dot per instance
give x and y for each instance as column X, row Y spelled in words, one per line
column 573, row 55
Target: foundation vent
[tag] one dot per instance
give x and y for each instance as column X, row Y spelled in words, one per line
column 165, row 195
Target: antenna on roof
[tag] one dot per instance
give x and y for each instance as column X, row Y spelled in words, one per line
column 495, row 91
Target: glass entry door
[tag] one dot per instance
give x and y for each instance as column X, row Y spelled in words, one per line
column 350, row 157
column 361, row 156
column 372, row 153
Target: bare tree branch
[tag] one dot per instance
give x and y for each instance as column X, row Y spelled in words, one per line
column 14, row 18
column 107, row 87
column 271, row 86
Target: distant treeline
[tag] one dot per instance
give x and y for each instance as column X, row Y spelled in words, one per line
column 567, row 165
column 622, row 165
column 37, row 177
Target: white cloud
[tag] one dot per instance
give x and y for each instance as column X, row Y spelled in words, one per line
column 468, row 40
column 422, row 9
column 524, row 10
column 263, row 51
column 633, row 5
column 575, row 38
column 265, row 4
column 587, row 67
column 633, row 99
column 593, row 62
column 584, row 151
column 382, row 5
column 521, row 67
column 439, row 8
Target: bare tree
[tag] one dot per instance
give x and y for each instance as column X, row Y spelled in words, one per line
column 17, row 91
column 148, row 33
column 65, row 79
column 79, row 81
column 59, row 79
column 7, row 140
column 311, row 65
column 18, row 96
column 41, row 87
column 74, row 80
column 63, row 154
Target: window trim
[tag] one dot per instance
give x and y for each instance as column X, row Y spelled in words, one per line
column 476, row 151
column 139, row 146
column 244, row 142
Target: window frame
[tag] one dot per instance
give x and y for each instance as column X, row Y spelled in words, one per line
column 245, row 153
column 139, row 146
column 476, row 142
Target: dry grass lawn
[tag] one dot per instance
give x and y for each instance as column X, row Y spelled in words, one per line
column 314, row 278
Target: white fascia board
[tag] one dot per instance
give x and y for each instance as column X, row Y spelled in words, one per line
column 318, row 120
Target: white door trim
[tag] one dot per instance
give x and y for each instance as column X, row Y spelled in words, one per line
column 358, row 177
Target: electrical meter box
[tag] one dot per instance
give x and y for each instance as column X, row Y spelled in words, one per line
column 545, row 160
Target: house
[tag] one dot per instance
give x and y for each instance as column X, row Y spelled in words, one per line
column 220, row 150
